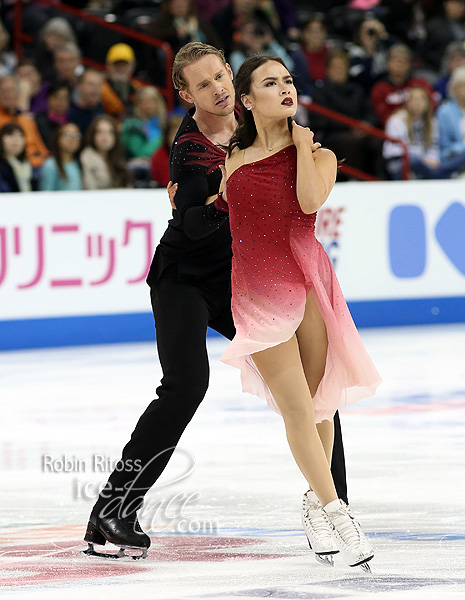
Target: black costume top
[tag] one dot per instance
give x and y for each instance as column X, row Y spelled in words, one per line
column 198, row 239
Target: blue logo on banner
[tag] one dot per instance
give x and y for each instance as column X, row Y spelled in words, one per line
column 407, row 239
column 450, row 233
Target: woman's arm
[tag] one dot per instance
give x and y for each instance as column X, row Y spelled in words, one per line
column 316, row 171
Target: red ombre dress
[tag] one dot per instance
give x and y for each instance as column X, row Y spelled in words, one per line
column 277, row 260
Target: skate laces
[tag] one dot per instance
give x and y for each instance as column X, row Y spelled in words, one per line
column 346, row 527
column 316, row 518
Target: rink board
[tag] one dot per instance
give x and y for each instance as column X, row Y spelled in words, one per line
column 73, row 264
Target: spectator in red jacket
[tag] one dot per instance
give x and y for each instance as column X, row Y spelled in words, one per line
column 160, row 158
column 390, row 94
column 315, row 46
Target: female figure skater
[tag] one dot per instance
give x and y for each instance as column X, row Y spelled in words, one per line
column 296, row 343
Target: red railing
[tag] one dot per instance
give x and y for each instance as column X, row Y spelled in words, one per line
column 21, row 38
column 369, row 129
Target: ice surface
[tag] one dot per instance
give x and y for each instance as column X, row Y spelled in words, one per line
column 238, row 492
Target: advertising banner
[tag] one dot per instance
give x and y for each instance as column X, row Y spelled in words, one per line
column 73, row 264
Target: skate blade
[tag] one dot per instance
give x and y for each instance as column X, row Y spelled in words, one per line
column 366, row 567
column 325, row 559
column 118, row 555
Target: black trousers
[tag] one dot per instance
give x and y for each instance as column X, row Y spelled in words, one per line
column 182, row 312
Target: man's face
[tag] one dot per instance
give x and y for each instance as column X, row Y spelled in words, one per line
column 210, row 85
column 338, row 70
column 399, row 65
column 90, row 89
column 454, row 9
column 121, row 70
column 66, row 64
column 9, row 94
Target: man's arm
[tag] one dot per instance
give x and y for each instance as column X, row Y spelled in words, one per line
column 198, row 219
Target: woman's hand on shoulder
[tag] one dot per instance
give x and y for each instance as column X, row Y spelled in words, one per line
column 301, row 136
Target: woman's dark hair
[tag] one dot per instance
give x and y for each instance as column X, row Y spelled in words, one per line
column 8, row 129
column 115, row 159
column 317, row 17
column 56, row 151
column 247, row 132
column 55, row 87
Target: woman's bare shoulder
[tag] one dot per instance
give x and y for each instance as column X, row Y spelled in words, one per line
column 235, row 160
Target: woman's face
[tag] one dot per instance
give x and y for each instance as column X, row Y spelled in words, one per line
column 104, row 137
column 70, row 138
column 273, row 94
column 58, row 103
column 418, row 103
column 14, row 143
column 180, row 8
column 314, row 35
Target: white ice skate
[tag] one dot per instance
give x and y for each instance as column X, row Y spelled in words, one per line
column 355, row 549
column 316, row 526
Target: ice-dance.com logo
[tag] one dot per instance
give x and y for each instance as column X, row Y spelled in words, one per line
column 164, row 510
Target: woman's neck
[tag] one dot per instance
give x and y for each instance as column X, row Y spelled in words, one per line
column 66, row 157
column 9, row 156
column 272, row 136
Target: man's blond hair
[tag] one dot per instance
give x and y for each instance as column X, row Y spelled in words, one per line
column 189, row 54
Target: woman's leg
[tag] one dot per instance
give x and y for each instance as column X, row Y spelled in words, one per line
column 281, row 367
column 313, row 346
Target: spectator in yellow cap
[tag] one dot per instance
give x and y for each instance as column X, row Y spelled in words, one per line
column 118, row 91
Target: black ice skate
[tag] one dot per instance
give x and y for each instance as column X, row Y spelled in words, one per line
column 125, row 533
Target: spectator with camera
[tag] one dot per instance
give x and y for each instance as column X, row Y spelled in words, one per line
column 368, row 53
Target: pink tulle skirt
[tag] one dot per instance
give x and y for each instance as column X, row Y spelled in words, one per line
column 268, row 311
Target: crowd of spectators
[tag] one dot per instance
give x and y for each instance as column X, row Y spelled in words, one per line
column 398, row 65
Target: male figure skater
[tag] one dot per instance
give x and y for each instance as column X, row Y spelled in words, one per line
column 190, row 283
